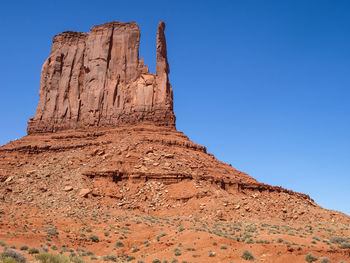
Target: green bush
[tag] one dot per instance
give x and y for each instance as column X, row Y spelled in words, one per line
column 14, row 254
column 119, row 244
column 324, row 260
column 130, row 258
column 316, row 238
column 52, row 258
column 94, row 238
column 247, row 255
column 51, row 231
column 160, row 236
column 76, row 259
column 337, row 240
column 8, row 260
column 310, row 257
column 33, row 250
column 344, row 245
column 110, row 258
column 2, row 243
column 177, row 252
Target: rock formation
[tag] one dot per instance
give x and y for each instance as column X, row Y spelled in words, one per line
column 97, row 79
column 145, row 187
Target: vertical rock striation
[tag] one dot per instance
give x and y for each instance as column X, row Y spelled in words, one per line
column 98, row 80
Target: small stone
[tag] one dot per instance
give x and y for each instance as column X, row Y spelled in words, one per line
column 84, row 192
column 68, row 188
column 9, row 179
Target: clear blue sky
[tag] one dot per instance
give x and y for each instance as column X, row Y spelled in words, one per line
column 265, row 85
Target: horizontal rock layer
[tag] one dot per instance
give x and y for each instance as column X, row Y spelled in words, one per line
column 98, row 79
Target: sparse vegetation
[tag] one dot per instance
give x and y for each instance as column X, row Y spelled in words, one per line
column 94, row 238
column 33, row 251
column 310, row 257
column 110, row 258
column 344, row 245
column 177, row 252
column 247, row 255
column 52, row 258
column 324, row 260
column 119, row 244
column 12, row 254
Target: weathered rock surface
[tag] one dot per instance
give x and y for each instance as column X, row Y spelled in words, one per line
column 97, row 79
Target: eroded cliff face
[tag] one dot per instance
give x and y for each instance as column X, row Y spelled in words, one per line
column 97, row 79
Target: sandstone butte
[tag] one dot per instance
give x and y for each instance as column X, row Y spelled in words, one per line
column 102, row 152
column 97, row 79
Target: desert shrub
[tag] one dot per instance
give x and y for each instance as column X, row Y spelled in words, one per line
column 129, row 258
column 190, row 249
column 8, row 260
column 160, row 236
column 119, row 244
column 181, row 228
column 51, row 231
column 344, row 245
column 223, row 247
column 177, row 252
column 324, row 260
column 33, row 250
column 54, row 247
column 247, row 255
column 94, row 238
column 110, row 258
column 51, row 258
column 211, row 254
column 2, row 243
column 24, row 247
column 44, row 248
column 280, row 240
column 156, row 260
column 337, row 240
column 316, row 238
column 134, row 249
column 76, row 259
column 310, row 257
column 14, row 254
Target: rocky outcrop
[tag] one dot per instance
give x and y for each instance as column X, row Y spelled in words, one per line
column 97, row 79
